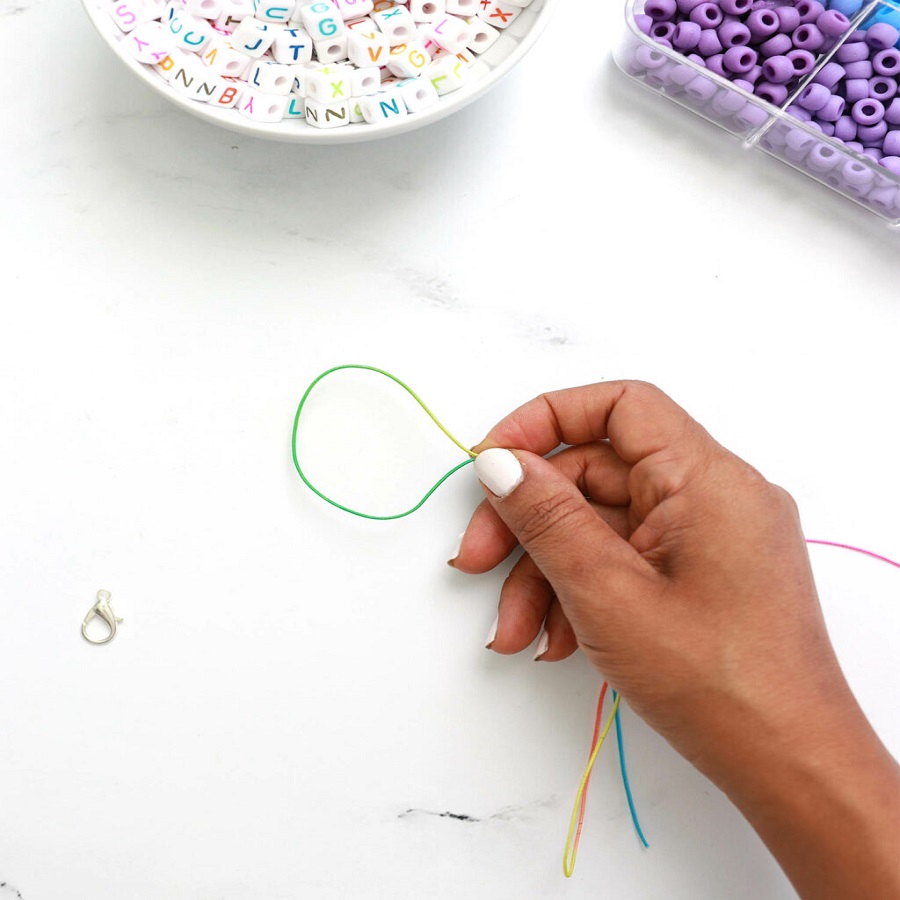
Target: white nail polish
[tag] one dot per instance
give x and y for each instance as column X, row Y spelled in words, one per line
column 492, row 634
column 459, row 541
column 499, row 471
column 543, row 645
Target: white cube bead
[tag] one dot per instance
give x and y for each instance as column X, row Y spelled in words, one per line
column 128, row 14
column 447, row 74
column 427, row 10
column 520, row 3
column 229, row 93
column 464, row 8
column 270, row 77
column 396, row 24
column 417, row 94
column 296, row 107
column 449, row 32
column 327, row 115
column 194, row 80
column 207, row 9
column 383, row 106
column 365, row 80
column 232, row 13
column 498, row 13
column 149, row 42
column 408, row 60
column 190, row 33
column 223, row 59
column 355, row 112
column 481, row 36
column 367, row 49
column 321, row 19
column 276, row 11
column 252, row 37
column 260, row 107
column 354, row 9
column 329, row 84
column 292, row 46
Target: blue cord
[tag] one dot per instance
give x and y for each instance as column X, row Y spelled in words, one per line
column 625, row 784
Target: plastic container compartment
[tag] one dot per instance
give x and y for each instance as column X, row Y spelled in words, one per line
column 761, row 124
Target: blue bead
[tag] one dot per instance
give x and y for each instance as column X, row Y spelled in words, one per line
column 848, row 7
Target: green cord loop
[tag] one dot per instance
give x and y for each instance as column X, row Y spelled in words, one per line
column 418, row 399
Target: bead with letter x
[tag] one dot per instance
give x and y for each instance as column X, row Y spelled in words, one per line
column 498, row 13
column 337, row 89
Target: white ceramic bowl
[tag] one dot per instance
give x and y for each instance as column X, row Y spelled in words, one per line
column 514, row 42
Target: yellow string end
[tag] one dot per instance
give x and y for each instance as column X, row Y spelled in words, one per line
column 571, row 849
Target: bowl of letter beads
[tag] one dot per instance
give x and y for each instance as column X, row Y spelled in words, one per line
column 320, row 71
column 814, row 83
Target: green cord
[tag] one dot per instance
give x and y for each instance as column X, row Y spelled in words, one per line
column 418, row 399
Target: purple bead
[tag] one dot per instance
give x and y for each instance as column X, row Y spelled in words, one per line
column 861, row 69
column 777, row 45
column 808, row 37
column 735, row 7
column 681, row 75
column 881, row 35
column 822, row 157
column 850, row 53
column 733, row 34
column 798, row 139
column 887, row 62
column 892, row 113
column 867, row 112
column 707, row 15
column 663, row 31
column 855, row 145
column 830, row 74
column 798, row 112
column 716, row 64
column 809, row 10
column 649, row 57
column 832, row 23
column 701, row 89
column 788, row 19
column 686, row 35
column 891, row 145
column 803, row 61
column 882, row 88
column 856, row 36
column 856, row 89
column 662, row 42
column 775, row 94
column 827, row 128
column 753, row 75
column 873, row 153
column 778, row 70
column 741, row 59
column 697, row 60
column 845, row 129
column 872, row 135
column 857, row 174
column 727, row 102
column 813, row 97
column 833, row 109
column 709, row 43
column 644, row 23
column 763, row 23
column 685, row 6
column 891, row 163
column 884, row 198
column 743, row 85
column 660, row 10
column 751, row 116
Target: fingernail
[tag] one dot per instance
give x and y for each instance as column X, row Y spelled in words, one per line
column 459, row 541
column 499, row 471
column 492, row 634
column 543, row 645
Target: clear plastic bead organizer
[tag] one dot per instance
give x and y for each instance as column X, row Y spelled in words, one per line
column 771, row 127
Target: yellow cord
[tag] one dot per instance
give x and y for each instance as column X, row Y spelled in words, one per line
column 571, row 851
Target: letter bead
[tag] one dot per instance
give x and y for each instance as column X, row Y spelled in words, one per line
column 270, row 77
column 261, row 107
column 252, row 37
column 495, row 12
column 448, row 32
column 447, row 74
column 330, row 50
column 292, row 46
column 429, row 10
column 383, row 106
column 327, row 115
column 223, row 59
column 481, row 35
column 417, row 94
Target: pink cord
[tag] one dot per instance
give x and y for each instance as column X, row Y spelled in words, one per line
column 890, row 562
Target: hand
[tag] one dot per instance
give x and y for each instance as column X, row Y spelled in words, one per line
column 683, row 576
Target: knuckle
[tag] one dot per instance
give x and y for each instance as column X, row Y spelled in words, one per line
column 549, row 516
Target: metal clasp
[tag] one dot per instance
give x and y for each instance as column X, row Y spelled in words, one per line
column 101, row 609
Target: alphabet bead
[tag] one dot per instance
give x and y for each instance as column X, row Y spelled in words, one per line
column 481, row 35
column 396, row 24
column 260, row 107
column 498, row 13
column 327, row 115
column 383, row 106
column 292, row 46
column 252, row 37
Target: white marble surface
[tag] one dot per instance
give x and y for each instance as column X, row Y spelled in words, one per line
column 295, row 696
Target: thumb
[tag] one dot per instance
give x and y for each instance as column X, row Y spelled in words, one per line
column 573, row 547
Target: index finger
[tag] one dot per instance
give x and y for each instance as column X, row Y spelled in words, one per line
column 637, row 418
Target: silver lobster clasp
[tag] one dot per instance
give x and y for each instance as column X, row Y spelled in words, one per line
column 101, row 609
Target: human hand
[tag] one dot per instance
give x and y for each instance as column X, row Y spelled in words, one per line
column 683, row 576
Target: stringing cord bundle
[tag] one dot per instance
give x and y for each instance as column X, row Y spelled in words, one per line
column 577, row 819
